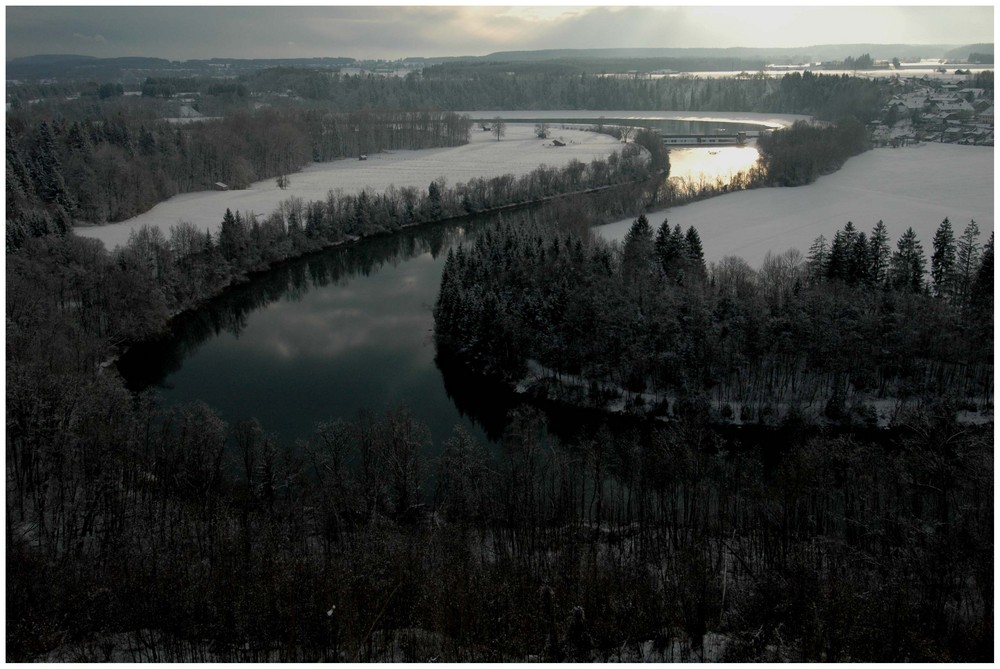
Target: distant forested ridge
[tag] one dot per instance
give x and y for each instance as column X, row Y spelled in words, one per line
column 515, row 86
column 647, row 323
column 70, row 67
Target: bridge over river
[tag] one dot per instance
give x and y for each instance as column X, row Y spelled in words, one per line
column 719, row 139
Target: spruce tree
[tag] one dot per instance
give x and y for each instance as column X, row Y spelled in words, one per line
column 816, row 262
column 860, row 264
column 665, row 251
column 943, row 259
column 638, row 256
column 637, row 247
column 982, row 288
column 694, row 248
column 837, row 261
column 966, row 262
column 908, row 263
column 878, row 254
column 434, row 201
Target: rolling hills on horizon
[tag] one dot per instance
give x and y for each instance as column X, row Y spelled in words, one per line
column 81, row 67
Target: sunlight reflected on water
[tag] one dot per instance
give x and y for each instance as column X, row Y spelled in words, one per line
column 698, row 164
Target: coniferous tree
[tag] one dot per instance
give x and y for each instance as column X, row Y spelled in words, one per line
column 908, row 263
column 695, row 252
column 817, row 260
column 943, row 260
column 637, row 246
column 665, row 251
column 837, row 263
column 860, row 263
column 966, row 262
column 434, row 201
column 638, row 257
column 879, row 254
column 982, row 290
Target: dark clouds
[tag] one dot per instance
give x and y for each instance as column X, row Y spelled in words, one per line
column 392, row 32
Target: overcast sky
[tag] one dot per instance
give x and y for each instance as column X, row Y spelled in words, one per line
column 180, row 33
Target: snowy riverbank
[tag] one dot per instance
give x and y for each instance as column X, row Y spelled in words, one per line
column 518, row 153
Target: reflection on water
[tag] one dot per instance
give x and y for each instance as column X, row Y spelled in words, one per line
column 707, row 164
column 315, row 339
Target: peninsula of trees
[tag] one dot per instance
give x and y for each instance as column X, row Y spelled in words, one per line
column 649, row 325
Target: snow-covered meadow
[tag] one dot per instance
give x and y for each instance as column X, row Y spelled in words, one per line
column 518, row 153
column 916, row 186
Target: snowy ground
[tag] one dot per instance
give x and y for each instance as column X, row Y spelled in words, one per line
column 519, row 152
column 913, row 186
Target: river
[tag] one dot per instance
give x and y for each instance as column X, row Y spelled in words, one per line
column 328, row 336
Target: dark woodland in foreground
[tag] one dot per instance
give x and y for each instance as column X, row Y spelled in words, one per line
column 137, row 532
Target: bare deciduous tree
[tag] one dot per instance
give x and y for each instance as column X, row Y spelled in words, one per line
column 499, row 128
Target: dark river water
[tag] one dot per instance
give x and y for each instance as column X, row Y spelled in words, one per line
column 316, row 339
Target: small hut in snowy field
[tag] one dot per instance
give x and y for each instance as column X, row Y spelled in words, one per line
column 218, row 185
column 556, row 142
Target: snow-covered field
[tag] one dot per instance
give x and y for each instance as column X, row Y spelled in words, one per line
column 914, row 186
column 519, row 152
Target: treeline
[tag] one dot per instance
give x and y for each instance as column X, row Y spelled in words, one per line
column 490, row 86
column 166, row 87
column 603, row 65
column 646, row 324
column 487, row 86
column 830, row 97
column 110, row 168
column 961, row 270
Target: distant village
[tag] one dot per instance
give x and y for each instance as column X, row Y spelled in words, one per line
column 931, row 111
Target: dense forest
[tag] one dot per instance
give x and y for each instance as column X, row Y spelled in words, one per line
column 488, row 86
column 648, row 324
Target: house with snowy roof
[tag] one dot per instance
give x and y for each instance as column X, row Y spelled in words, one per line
column 953, row 107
